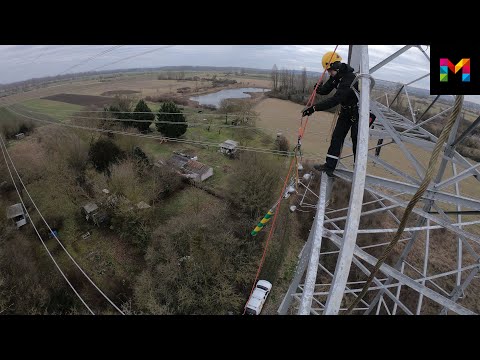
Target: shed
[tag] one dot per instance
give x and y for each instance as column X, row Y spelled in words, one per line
column 229, row 147
column 178, row 160
column 94, row 213
column 20, row 136
column 197, row 171
column 89, row 209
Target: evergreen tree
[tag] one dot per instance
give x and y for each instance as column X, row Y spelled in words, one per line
column 168, row 113
column 141, row 108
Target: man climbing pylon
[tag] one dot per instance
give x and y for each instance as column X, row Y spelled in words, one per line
column 341, row 78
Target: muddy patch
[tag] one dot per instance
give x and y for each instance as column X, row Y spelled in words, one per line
column 77, row 99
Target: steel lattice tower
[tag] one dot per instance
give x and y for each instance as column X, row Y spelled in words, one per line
column 409, row 280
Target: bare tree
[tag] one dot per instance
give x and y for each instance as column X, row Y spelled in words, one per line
column 303, row 80
column 291, row 81
column 275, row 77
column 284, row 80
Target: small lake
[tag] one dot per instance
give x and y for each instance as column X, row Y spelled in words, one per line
column 215, row 98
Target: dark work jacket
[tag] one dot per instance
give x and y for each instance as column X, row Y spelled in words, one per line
column 344, row 94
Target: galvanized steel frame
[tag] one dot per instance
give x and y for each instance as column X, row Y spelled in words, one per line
column 401, row 130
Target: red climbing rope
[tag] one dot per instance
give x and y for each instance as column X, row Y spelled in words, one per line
column 312, row 98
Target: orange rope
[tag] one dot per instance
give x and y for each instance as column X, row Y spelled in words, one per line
column 312, row 97
column 271, row 231
column 300, row 136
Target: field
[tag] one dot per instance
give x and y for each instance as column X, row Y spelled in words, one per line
column 135, row 85
column 82, row 100
column 278, row 115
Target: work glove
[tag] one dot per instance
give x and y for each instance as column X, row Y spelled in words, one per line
column 308, row 111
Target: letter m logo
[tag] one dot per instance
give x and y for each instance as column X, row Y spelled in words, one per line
column 446, row 65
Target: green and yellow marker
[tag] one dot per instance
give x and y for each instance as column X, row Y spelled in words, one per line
column 262, row 222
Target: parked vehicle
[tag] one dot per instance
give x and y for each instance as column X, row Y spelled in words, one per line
column 17, row 213
column 259, row 295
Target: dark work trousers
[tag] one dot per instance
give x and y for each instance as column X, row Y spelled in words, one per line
column 347, row 119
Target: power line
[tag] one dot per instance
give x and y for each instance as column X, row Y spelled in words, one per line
column 4, row 99
column 155, row 137
column 115, row 62
column 146, row 112
column 56, row 238
column 170, row 122
column 131, row 57
column 92, row 57
column 38, row 234
column 154, row 121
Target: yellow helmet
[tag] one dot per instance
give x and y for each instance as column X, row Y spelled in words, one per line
column 328, row 59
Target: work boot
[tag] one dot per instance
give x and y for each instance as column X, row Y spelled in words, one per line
column 324, row 167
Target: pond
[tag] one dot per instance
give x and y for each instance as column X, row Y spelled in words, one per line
column 215, row 98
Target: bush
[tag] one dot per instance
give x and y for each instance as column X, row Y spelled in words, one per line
column 254, row 184
column 30, row 160
column 194, row 270
column 103, row 153
column 168, row 98
column 164, row 183
column 121, row 109
column 29, row 284
column 12, row 124
column 282, row 143
column 140, row 157
column 132, row 225
column 116, row 113
column 124, row 181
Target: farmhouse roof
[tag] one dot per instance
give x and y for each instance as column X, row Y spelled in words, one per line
column 196, row 167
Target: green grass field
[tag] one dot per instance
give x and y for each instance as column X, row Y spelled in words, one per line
column 207, row 152
column 56, row 109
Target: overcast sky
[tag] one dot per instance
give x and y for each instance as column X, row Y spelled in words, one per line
column 22, row 62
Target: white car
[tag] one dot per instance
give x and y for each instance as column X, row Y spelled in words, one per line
column 259, row 295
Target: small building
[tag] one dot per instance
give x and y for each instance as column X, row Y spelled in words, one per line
column 178, row 161
column 189, row 167
column 197, row 171
column 17, row 213
column 92, row 212
column 228, row 147
column 19, row 136
column 89, row 209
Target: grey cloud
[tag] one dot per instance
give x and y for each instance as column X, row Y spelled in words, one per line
column 21, row 62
